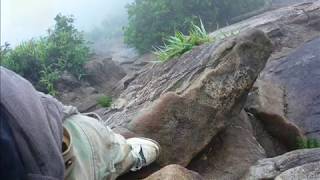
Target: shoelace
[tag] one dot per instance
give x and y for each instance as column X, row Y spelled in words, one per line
column 140, row 159
column 143, row 158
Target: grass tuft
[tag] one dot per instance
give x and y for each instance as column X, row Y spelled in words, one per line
column 104, row 101
column 179, row 44
column 308, row 143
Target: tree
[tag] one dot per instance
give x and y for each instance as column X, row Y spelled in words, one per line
column 151, row 21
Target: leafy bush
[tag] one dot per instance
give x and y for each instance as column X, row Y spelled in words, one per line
column 23, row 59
column 308, row 143
column 42, row 60
column 152, row 21
column 179, row 44
column 105, row 101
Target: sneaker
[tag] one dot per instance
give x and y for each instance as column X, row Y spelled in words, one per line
column 144, row 150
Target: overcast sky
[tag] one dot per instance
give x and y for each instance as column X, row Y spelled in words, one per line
column 24, row 19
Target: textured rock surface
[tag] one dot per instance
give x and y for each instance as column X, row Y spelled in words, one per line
column 306, row 171
column 184, row 122
column 104, row 73
column 299, row 74
column 266, row 97
column 290, row 71
column 271, row 145
column 231, row 153
column 272, row 167
column 174, row 172
column 178, row 75
column 267, row 102
column 288, row 28
column 102, row 76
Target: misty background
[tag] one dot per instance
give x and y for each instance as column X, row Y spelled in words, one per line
column 101, row 20
column 22, row 20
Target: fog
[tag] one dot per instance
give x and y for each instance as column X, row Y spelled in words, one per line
column 25, row 19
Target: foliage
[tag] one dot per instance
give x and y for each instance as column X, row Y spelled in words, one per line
column 105, row 101
column 308, row 143
column 179, row 43
column 152, row 21
column 42, row 60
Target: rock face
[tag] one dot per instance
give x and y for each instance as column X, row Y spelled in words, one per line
column 267, row 103
column 178, row 75
column 185, row 119
column 191, row 105
column 230, row 153
column 299, row 75
column 306, row 171
column 287, row 89
column 293, row 165
column 102, row 76
column 174, row 172
column 272, row 146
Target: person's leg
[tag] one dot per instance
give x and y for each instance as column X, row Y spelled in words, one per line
column 104, row 153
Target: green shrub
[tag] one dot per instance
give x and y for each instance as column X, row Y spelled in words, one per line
column 179, row 44
column 308, row 143
column 104, row 101
column 23, row 60
column 152, row 21
column 42, row 60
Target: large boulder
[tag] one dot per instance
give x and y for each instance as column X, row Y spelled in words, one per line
column 174, row 172
column 152, row 93
column 297, row 162
column 186, row 102
column 184, row 122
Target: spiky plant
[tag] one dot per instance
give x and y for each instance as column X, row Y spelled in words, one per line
column 179, row 44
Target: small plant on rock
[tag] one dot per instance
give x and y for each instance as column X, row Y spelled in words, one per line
column 179, row 44
column 104, row 101
column 308, row 143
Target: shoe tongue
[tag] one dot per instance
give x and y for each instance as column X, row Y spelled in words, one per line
column 143, row 158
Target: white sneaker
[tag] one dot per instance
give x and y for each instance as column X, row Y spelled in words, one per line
column 144, row 150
